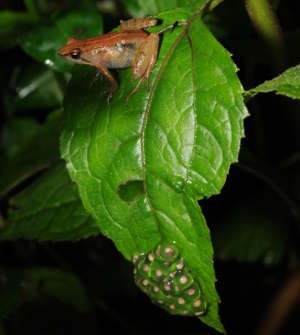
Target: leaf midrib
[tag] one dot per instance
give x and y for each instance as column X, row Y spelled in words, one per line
column 148, row 107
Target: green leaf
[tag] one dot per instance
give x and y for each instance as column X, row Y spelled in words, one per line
column 178, row 140
column 253, row 231
column 49, row 209
column 42, row 43
column 142, row 8
column 38, row 152
column 10, row 293
column 288, row 84
column 38, row 87
column 15, row 133
column 62, row 285
column 12, row 24
column 27, row 285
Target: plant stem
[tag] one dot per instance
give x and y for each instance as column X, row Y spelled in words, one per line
column 213, row 4
column 1, row 222
column 266, row 23
column 280, row 309
column 277, row 189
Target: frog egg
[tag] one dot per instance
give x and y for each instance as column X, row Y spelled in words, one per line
column 183, row 280
column 181, row 301
column 180, row 265
column 197, row 303
column 172, row 307
column 135, row 259
column 167, row 286
column 156, row 289
column 168, row 252
column 199, row 307
column 160, row 270
column 158, row 273
column 191, row 291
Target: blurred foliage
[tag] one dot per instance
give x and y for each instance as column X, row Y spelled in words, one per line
column 87, row 286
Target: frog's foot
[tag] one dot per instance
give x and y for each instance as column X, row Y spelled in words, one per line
column 109, row 93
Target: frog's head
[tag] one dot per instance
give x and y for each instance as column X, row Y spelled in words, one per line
column 72, row 52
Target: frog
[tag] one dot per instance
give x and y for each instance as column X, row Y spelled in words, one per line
column 131, row 46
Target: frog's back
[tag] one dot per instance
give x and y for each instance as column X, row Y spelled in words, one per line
column 116, row 50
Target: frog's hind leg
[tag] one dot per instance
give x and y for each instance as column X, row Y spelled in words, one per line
column 144, row 61
column 137, row 24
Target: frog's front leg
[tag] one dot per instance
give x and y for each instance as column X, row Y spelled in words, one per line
column 144, row 60
column 137, row 24
column 113, row 83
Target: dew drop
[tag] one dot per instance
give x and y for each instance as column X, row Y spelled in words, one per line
column 49, row 62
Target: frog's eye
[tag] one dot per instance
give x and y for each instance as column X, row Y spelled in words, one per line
column 75, row 54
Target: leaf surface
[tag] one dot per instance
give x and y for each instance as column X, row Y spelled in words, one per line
column 166, row 148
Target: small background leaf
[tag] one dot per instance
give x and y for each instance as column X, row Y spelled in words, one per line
column 36, row 153
column 62, row 285
column 26, row 286
column 12, row 24
column 287, row 83
column 49, row 209
column 253, row 232
column 142, row 8
column 15, row 133
column 42, row 43
column 38, row 87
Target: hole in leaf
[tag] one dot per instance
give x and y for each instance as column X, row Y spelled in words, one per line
column 130, row 189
